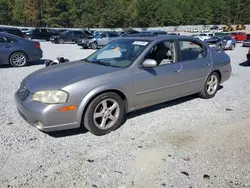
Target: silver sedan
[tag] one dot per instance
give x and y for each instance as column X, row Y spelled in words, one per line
column 127, row 74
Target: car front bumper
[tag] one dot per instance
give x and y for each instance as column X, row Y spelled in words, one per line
column 82, row 43
column 45, row 117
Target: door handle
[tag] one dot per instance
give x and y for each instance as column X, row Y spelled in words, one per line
column 208, row 64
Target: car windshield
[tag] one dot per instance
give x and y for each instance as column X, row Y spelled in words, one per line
column 118, row 53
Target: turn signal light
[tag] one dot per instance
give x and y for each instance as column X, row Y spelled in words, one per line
column 67, row 108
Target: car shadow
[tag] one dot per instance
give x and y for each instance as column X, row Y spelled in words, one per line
column 66, row 133
column 33, row 63
column 244, row 64
column 131, row 115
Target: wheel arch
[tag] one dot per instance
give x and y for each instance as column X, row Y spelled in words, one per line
column 92, row 95
column 219, row 73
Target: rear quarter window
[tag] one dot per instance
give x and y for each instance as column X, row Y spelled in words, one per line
column 15, row 32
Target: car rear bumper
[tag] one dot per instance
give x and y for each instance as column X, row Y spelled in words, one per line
column 36, row 56
column 44, row 117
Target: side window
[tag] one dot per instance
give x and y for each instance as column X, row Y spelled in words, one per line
column 163, row 53
column 44, row 30
column 11, row 40
column 78, row 32
column 70, row 33
column 191, row 51
column 3, row 39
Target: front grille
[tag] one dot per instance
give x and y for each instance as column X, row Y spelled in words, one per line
column 23, row 93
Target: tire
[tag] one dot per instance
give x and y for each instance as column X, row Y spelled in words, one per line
column 60, row 41
column 18, row 59
column 248, row 63
column 232, row 47
column 206, row 92
column 94, row 125
column 94, row 45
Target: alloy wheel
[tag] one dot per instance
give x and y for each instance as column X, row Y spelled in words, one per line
column 18, row 59
column 106, row 113
column 212, row 84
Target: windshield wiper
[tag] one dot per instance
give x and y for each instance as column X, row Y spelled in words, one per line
column 102, row 63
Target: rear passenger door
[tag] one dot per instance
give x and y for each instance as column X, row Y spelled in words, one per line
column 196, row 64
column 77, row 35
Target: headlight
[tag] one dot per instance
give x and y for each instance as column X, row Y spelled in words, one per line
column 51, row 97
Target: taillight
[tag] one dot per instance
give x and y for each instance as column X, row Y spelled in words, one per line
column 24, row 36
column 37, row 45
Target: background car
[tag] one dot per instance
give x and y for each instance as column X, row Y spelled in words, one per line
column 17, row 51
column 41, row 34
column 215, row 42
column 13, row 31
column 99, row 41
column 246, row 42
column 70, row 36
column 204, row 36
column 239, row 36
column 228, row 43
column 153, row 32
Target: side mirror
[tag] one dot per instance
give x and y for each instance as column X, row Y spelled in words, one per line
column 149, row 63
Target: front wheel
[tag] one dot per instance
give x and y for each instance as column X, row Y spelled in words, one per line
column 232, row 47
column 94, row 45
column 210, row 87
column 60, row 41
column 104, row 114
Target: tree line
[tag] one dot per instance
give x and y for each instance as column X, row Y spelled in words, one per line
column 122, row 13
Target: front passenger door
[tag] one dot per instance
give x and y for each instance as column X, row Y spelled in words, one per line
column 161, row 83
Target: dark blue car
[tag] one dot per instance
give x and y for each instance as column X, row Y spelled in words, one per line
column 221, row 43
column 18, row 51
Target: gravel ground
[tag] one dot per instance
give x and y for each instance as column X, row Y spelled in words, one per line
column 185, row 143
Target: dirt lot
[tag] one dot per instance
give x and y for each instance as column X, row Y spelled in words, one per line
column 184, row 143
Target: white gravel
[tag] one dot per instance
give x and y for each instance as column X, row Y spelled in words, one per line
column 190, row 135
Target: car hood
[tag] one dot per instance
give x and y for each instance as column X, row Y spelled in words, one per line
column 59, row 76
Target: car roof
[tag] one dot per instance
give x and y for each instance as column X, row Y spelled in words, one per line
column 11, row 35
column 9, row 28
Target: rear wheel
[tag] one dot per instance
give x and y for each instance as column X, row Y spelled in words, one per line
column 60, row 41
column 104, row 114
column 211, row 86
column 18, row 59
